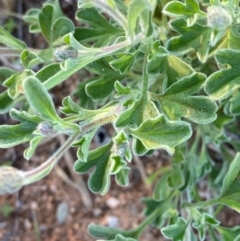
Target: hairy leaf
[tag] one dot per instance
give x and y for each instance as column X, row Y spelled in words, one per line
column 177, row 101
column 159, row 133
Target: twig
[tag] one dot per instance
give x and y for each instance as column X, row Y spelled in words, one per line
column 141, row 171
column 78, row 183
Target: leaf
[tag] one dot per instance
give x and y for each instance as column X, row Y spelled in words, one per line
column 61, row 27
column 100, row 31
column 172, row 67
column 122, row 177
column 7, row 39
column 14, row 135
column 138, row 112
column 28, row 153
column 159, row 133
column 235, row 104
column 177, row 101
column 135, row 8
column 6, row 103
column 39, row 99
column 230, row 194
column 175, row 232
column 98, row 231
column 222, row 83
column 99, row 180
column 191, row 39
column 31, row 17
column 176, row 178
column 121, row 89
column 187, row 9
column 46, row 72
column 162, row 189
column 5, row 73
column 15, row 83
column 84, row 144
column 231, row 175
column 124, row 63
column 228, row 233
column 100, row 88
column 46, row 19
column 29, row 59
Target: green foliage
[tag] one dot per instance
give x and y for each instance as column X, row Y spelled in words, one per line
column 164, row 75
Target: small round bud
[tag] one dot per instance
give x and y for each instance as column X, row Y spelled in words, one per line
column 65, row 52
column 46, row 129
column 218, row 18
column 11, row 179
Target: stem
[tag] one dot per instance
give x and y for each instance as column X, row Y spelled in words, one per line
column 145, row 77
column 203, row 204
column 158, row 211
column 64, row 74
column 4, row 51
column 45, row 168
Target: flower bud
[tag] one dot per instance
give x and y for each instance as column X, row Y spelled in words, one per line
column 11, row 179
column 218, row 18
column 65, row 52
column 46, row 129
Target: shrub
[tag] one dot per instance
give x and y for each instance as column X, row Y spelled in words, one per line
column 165, row 74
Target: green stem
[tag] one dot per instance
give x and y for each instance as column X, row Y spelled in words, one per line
column 145, row 78
column 45, row 168
column 104, row 51
column 4, row 51
column 158, row 211
column 203, row 204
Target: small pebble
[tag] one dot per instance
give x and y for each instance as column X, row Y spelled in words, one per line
column 112, row 202
column 62, row 212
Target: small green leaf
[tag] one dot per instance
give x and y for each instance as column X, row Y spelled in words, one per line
column 232, row 174
column 100, row 88
column 121, row 89
column 191, row 39
column 98, row 231
column 99, row 180
column 29, row 59
column 28, row 153
column 122, row 177
column 124, row 63
column 101, row 30
column 187, row 9
column 7, row 39
column 61, row 27
column 31, row 17
column 162, row 189
column 14, row 135
column 46, row 19
column 84, row 144
column 176, row 178
column 5, row 73
column 15, row 83
column 222, row 83
column 139, row 111
column 177, row 102
column 39, row 99
column 235, row 104
column 228, row 233
column 172, row 67
column 46, row 72
column 6, row 103
column 135, row 8
column 175, row 232
column 159, row 133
